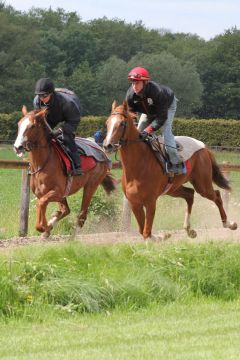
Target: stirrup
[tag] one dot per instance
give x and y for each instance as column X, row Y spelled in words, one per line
column 176, row 169
column 77, row 171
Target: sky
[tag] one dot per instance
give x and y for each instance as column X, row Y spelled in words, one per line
column 206, row 18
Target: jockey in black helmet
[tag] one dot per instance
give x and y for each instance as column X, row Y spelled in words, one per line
column 63, row 106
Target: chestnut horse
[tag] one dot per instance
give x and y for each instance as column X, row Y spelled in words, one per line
column 143, row 179
column 48, row 180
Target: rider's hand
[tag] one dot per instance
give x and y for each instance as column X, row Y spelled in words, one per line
column 56, row 132
column 144, row 135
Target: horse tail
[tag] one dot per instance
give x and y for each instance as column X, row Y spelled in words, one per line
column 218, row 177
column 109, row 183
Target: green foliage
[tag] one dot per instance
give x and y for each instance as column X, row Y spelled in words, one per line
column 90, row 124
column 75, row 278
column 93, row 59
column 219, row 67
column 8, row 125
column 215, row 132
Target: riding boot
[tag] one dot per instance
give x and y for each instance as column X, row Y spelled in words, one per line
column 177, row 169
column 77, row 170
column 72, row 150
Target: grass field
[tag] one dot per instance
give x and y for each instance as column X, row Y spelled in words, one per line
column 147, row 301
column 196, row 331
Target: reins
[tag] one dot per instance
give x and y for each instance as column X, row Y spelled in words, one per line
column 44, row 164
column 39, row 146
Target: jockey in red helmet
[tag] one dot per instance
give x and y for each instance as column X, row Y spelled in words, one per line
column 138, row 74
column 157, row 105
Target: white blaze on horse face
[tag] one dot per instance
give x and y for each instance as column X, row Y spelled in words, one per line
column 110, row 131
column 21, row 138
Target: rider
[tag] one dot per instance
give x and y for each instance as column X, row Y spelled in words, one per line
column 63, row 106
column 157, row 105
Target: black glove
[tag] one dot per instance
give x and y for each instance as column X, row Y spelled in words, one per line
column 144, row 135
column 57, row 132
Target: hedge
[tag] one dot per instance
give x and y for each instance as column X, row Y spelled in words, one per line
column 213, row 132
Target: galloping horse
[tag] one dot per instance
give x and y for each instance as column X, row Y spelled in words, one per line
column 143, row 179
column 48, row 180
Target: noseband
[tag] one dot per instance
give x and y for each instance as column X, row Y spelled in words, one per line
column 30, row 145
column 121, row 141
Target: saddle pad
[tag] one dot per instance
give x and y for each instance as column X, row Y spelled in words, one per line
column 187, row 146
column 87, row 162
column 90, row 148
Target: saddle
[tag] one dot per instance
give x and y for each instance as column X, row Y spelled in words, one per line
column 186, row 147
column 90, row 153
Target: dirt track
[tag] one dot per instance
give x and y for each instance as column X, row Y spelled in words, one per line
column 121, row 237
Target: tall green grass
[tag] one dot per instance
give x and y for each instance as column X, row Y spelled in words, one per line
column 71, row 277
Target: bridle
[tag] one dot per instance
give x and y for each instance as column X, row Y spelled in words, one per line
column 122, row 142
column 29, row 146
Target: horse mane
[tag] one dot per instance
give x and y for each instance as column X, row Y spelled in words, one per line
column 123, row 108
column 35, row 112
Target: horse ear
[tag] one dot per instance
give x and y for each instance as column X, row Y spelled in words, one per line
column 114, row 105
column 24, row 110
column 125, row 105
column 41, row 113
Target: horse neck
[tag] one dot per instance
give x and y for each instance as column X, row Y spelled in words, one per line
column 39, row 154
column 132, row 153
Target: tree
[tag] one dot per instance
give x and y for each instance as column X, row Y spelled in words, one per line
column 112, row 83
column 219, row 66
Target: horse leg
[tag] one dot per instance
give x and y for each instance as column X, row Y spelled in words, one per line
column 188, row 195
column 208, row 192
column 41, row 224
column 218, row 201
column 150, row 213
column 139, row 214
column 88, row 192
column 59, row 215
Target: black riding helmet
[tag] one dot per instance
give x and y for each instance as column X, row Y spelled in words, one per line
column 44, row 86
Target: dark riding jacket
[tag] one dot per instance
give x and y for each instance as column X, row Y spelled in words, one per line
column 64, row 106
column 154, row 101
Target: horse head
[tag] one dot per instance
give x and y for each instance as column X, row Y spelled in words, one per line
column 118, row 123
column 29, row 130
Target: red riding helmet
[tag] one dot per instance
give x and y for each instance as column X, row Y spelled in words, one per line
column 138, row 74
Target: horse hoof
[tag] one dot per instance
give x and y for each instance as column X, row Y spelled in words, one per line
column 80, row 222
column 233, row 225
column 192, row 233
column 158, row 238
column 166, row 236
column 45, row 235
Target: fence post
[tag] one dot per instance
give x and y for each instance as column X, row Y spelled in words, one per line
column 24, row 210
column 126, row 215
